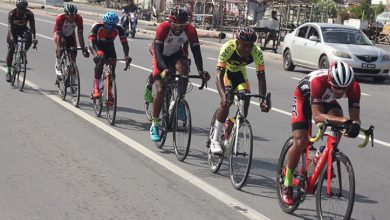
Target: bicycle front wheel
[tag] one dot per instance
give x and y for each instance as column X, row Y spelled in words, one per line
column 338, row 202
column 182, row 129
column 74, row 85
column 98, row 102
column 14, row 75
column 215, row 160
column 149, row 106
column 241, row 155
column 111, row 98
column 62, row 87
column 162, row 125
column 23, row 71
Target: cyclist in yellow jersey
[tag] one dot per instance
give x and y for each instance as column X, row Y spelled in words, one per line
column 231, row 76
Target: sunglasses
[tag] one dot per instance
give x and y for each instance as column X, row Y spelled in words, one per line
column 178, row 25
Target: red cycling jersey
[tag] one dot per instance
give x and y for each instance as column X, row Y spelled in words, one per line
column 66, row 28
column 315, row 89
column 102, row 36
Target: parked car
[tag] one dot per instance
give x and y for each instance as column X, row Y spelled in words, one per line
column 316, row 45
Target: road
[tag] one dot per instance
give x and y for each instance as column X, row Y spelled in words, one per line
column 61, row 162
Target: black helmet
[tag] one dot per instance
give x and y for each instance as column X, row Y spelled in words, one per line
column 70, row 9
column 246, row 34
column 178, row 14
column 21, row 4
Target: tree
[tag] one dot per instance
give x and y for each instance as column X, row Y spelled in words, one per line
column 329, row 7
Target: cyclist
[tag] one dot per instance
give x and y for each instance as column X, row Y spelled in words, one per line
column 126, row 10
column 316, row 97
column 64, row 34
column 170, row 54
column 17, row 27
column 231, row 76
column 102, row 47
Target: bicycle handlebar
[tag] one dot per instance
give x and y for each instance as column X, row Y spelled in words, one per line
column 204, row 81
column 127, row 67
column 321, row 127
column 267, row 97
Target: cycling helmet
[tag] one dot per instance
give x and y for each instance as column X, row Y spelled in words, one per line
column 340, row 74
column 70, row 9
column 178, row 14
column 110, row 18
column 21, row 4
column 246, row 34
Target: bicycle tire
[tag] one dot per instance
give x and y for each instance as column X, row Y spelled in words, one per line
column 14, row 76
column 280, row 175
column 98, row 102
column 149, row 106
column 182, row 149
column 23, row 66
column 62, row 87
column 162, row 125
column 15, row 69
column 74, row 85
column 111, row 109
column 242, row 158
column 214, row 160
column 322, row 197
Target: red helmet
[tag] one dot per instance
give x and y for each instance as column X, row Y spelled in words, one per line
column 178, row 14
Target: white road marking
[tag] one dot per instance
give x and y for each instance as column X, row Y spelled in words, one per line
column 365, row 94
column 296, row 78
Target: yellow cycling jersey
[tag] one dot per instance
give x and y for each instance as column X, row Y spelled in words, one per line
column 230, row 59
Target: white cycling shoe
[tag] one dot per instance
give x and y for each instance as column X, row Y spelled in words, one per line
column 215, row 147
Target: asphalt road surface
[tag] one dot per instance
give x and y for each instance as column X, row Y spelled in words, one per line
column 61, row 162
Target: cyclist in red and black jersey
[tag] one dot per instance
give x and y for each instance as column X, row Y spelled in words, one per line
column 102, row 46
column 169, row 50
column 18, row 19
column 64, row 34
column 316, row 97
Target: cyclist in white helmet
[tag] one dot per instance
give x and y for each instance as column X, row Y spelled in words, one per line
column 316, row 98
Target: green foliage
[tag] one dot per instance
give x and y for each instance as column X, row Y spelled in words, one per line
column 362, row 10
column 379, row 8
column 328, row 7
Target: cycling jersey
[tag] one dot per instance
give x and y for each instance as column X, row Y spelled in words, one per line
column 230, row 59
column 129, row 8
column 315, row 89
column 105, row 40
column 68, row 28
column 19, row 21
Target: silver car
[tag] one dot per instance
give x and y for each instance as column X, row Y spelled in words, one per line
column 316, row 45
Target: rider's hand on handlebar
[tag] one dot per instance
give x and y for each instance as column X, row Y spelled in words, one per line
column 85, row 52
column 264, row 105
column 205, row 75
column 352, row 128
column 35, row 41
column 128, row 59
column 164, row 74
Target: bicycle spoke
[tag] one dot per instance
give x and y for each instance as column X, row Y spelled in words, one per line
column 75, row 86
column 182, row 130
column 111, row 102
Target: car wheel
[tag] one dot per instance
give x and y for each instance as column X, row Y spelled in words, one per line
column 380, row 79
column 287, row 62
column 324, row 63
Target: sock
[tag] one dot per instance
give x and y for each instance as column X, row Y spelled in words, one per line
column 96, row 84
column 288, row 178
column 217, row 130
column 155, row 121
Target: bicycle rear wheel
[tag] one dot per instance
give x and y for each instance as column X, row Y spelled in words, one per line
column 23, row 71
column 111, row 104
column 74, row 85
column 214, row 160
column 241, row 156
column 98, row 103
column 14, row 75
column 280, row 176
column 338, row 203
column 162, row 125
column 182, row 129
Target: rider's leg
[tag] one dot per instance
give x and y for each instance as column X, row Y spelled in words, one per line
column 157, row 105
column 10, row 54
column 28, row 36
column 98, row 74
column 183, row 67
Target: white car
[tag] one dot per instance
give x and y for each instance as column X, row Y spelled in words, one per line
column 316, row 45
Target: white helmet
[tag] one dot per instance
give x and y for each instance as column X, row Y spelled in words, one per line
column 341, row 74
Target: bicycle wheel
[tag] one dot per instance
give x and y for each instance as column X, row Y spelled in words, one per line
column 214, row 160
column 182, row 129
column 338, row 203
column 15, row 69
column 74, row 85
column 280, row 176
column 62, row 87
column 111, row 105
column 149, row 106
column 23, row 70
column 241, row 155
column 162, row 125
column 98, row 103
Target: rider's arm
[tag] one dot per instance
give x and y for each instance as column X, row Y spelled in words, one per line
column 319, row 116
column 353, row 94
column 123, row 39
column 80, row 30
column 10, row 22
column 257, row 55
column 161, row 33
column 32, row 23
column 219, row 81
column 92, row 39
column 195, row 46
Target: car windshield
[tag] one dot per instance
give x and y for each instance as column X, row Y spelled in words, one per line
column 344, row 36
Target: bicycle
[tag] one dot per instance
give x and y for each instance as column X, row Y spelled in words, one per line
column 108, row 88
column 70, row 77
column 327, row 182
column 170, row 120
column 19, row 64
column 238, row 146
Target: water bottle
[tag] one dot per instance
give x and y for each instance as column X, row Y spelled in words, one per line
column 310, row 161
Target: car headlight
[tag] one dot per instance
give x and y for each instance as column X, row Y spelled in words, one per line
column 386, row 58
column 341, row 54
